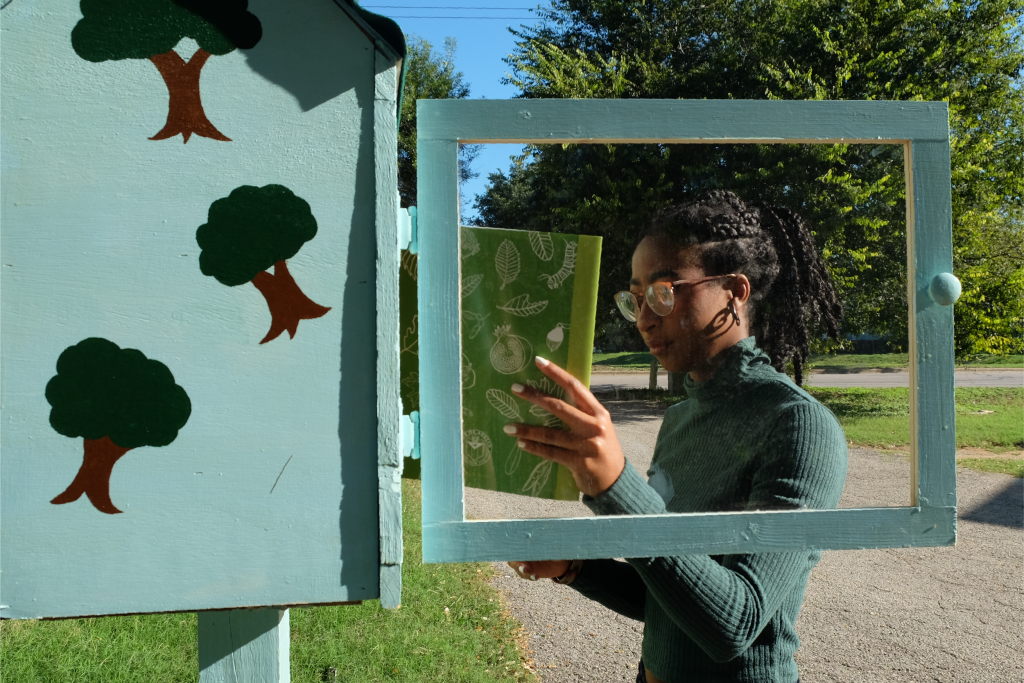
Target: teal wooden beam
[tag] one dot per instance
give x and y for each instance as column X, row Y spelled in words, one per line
column 389, row 402
column 244, row 646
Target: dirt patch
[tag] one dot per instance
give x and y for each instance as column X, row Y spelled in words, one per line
column 982, row 453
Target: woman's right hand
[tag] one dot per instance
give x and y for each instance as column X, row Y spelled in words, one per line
column 545, row 569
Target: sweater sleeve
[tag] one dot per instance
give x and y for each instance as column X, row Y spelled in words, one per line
column 723, row 607
column 614, row 584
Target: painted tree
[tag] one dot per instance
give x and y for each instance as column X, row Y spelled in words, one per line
column 150, row 29
column 247, row 232
column 117, row 400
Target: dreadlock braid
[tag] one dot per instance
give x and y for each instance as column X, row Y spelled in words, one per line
column 770, row 245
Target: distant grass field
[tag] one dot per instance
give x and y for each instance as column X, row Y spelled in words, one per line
column 847, row 362
column 989, row 418
column 474, row 642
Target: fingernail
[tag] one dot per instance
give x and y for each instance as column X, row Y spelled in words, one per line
column 509, row 429
column 521, row 444
column 522, row 568
column 517, row 388
column 542, row 361
column 533, row 577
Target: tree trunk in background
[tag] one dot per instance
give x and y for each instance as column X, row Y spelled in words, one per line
column 185, row 114
column 93, row 478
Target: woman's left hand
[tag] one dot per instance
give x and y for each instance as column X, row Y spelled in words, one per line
column 590, row 449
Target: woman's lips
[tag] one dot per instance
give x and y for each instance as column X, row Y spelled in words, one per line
column 657, row 345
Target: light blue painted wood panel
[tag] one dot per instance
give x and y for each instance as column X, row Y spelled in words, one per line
column 438, row 290
column 933, row 326
column 442, row 124
column 704, row 534
column 639, row 120
column 268, row 495
column 244, row 646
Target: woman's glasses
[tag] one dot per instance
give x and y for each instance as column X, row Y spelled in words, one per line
column 660, row 297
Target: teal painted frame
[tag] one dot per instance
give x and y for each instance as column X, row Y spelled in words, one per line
column 923, row 130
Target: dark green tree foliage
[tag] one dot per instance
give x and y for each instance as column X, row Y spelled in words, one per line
column 969, row 55
column 429, row 75
column 246, row 233
column 116, row 399
column 252, row 229
column 149, row 29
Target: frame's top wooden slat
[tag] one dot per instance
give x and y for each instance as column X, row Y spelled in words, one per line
column 742, row 121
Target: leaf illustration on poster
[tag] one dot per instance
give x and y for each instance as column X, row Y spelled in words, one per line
column 470, row 284
column 150, row 29
column 513, row 459
column 477, row 450
column 568, row 266
column 468, row 374
column 410, row 264
column 522, row 307
column 472, row 323
column 116, row 400
column 542, row 245
column 511, row 353
column 538, row 478
column 506, row 263
column 556, row 336
column 469, row 245
column 504, row 403
column 247, row 232
column 411, row 338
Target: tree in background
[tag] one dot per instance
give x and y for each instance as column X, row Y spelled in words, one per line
column 969, row 55
column 150, row 29
column 117, row 400
column 429, row 75
column 246, row 233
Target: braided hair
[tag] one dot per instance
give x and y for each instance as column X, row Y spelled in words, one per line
column 772, row 246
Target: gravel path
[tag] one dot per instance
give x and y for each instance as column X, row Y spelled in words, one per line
column 878, row 616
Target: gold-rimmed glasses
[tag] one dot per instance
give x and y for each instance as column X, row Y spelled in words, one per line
column 660, row 296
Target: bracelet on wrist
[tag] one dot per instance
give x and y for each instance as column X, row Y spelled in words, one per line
column 570, row 573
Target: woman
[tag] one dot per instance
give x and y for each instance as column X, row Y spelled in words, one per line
column 723, row 292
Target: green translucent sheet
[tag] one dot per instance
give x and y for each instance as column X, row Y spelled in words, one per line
column 524, row 294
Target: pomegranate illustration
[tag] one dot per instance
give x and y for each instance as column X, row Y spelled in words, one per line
column 510, row 353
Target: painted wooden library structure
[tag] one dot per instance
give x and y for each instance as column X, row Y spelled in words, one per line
column 201, row 345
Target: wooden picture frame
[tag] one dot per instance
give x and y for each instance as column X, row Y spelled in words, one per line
column 922, row 128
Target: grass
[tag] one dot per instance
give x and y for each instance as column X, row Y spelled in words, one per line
column 847, row 362
column 989, row 418
column 473, row 642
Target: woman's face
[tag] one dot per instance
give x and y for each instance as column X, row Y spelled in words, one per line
column 685, row 339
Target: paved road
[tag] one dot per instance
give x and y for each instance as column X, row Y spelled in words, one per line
column 872, row 616
column 1012, row 377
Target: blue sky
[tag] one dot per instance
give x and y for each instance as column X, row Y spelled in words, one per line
column 481, row 29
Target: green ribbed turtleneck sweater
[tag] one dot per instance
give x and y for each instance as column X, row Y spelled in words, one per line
column 746, row 439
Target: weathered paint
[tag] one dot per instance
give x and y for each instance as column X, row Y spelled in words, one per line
column 922, row 127
column 244, row 646
column 389, row 403
column 269, row 494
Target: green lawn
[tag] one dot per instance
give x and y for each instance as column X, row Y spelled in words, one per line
column 473, row 642
column 991, row 418
column 847, row 362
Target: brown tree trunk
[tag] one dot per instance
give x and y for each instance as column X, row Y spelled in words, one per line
column 287, row 304
column 93, row 478
column 185, row 113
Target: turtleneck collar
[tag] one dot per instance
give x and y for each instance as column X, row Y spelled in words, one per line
column 738, row 364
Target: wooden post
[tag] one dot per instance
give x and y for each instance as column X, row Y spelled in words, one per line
column 675, row 383
column 244, row 646
column 654, row 374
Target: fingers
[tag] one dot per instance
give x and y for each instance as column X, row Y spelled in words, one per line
column 545, row 569
column 581, row 396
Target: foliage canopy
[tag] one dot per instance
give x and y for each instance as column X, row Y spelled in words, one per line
column 252, row 229
column 102, row 390
column 130, row 29
column 967, row 54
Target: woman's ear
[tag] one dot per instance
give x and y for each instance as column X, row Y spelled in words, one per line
column 741, row 289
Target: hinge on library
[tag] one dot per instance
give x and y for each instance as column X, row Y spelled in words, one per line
column 411, row 435
column 407, row 229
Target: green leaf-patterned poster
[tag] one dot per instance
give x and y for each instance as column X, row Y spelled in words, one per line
column 524, row 294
